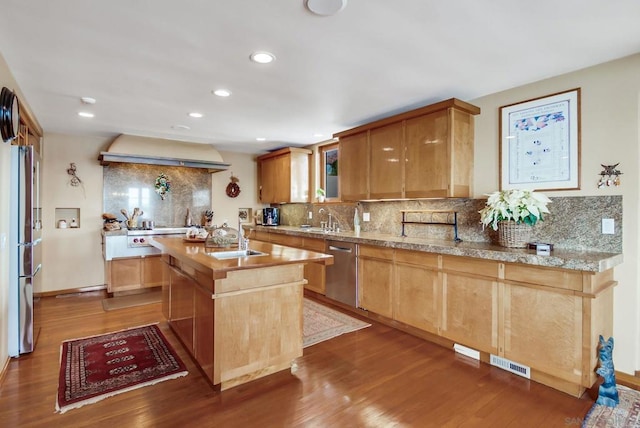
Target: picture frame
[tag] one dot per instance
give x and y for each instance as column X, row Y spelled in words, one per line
column 539, row 143
column 245, row 215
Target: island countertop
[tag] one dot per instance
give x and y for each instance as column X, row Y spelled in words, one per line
column 196, row 254
column 588, row 261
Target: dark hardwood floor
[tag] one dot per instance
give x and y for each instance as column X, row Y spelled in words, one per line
column 375, row 377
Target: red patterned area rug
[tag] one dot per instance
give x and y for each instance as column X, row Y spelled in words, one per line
column 323, row 323
column 625, row 414
column 94, row 368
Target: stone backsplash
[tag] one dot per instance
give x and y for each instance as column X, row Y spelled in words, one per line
column 133, row 185
column 574, row 222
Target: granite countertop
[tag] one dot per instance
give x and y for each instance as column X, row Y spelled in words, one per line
column 274, row 255
column 589, row 261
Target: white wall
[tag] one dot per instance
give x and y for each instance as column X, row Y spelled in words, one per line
column 72, row 258
column 610, row 134
column 245, row 168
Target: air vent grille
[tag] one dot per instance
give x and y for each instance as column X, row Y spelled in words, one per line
column 511, row 366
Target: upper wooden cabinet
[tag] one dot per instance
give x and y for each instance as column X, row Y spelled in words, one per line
column 387, row 154
column 284, row 176
column 353, row 164
column 423, row 153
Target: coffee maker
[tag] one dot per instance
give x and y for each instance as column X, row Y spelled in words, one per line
column 270, row 216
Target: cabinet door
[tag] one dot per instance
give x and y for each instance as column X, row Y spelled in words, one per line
column 387, row 162
column 417, row 293
column 543, row 329
column 126, row 274
column 470, row 311
column 182, row 289
column 428, row 163
column 353, row 164
column 166, row 287
column 275, row 179
column 203, row 330
column 375, row 278
column 315, row 273
column 151, row 271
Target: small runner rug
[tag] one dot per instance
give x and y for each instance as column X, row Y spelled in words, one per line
column 323, row 323
column 625, row 414
column 94, row 368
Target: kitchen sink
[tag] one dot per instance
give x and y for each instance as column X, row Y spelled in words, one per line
column 236, row 254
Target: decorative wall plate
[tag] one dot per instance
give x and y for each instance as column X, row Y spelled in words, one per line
column 9, row 115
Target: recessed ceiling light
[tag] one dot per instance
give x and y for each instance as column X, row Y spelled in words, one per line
column 222, row 92
column 262, row 57
column 326, row 7
column 196, row 115
column 317, row 135
column 88, row 100
column 85, row 114
column 261, row 139
column 181, row 127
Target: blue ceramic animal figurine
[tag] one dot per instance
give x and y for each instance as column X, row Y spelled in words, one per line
column 607, row 393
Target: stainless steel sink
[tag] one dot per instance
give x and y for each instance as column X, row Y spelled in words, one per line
column 235, row 254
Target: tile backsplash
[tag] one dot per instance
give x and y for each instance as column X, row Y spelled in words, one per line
column 133, row 185
column 574, row 222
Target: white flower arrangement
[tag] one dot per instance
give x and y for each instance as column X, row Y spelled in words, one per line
column 521, row 206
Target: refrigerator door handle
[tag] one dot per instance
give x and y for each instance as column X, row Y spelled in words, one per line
column 30, row 244
column 35, row 272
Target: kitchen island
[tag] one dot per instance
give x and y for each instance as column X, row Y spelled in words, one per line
column 240, row 317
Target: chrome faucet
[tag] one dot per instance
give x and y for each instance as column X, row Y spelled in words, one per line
column 243, row 243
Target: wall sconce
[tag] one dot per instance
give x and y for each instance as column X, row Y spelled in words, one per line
column 609, row 176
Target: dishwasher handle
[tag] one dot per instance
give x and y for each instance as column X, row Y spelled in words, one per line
column 341, row 249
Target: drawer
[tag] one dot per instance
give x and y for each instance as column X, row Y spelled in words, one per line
column 289, row 241
column 314, row 244
column 471, row 266
column 417, row 258
column 376, row 252
column 557, row 278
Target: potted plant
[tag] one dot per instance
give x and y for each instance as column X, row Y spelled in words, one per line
column 320, row 194
column 512, row 213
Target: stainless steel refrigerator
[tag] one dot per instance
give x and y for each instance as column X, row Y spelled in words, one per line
column 26, row 248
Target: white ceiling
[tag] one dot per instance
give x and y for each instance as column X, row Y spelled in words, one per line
column 148, row 63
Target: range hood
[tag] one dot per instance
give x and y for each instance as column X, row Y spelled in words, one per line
column 157, row 151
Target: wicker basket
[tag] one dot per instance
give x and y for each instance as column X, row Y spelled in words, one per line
column 513, row 235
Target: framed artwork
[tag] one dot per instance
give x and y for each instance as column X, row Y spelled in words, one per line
column 329, row 171
column 540, row 143
column 245, row 215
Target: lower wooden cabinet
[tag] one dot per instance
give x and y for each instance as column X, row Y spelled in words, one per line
column 545, row 318
column 203, row 327
column 133, row 273
column 181, row 301
column 375, row 277
column 416, row 292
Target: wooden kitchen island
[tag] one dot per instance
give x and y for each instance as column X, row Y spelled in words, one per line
column 240, row 318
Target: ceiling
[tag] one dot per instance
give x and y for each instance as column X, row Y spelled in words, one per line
column 149, row 63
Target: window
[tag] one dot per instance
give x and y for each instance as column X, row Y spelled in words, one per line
column 329, row 171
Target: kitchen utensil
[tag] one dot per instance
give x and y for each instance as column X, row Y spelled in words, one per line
column 125, row 213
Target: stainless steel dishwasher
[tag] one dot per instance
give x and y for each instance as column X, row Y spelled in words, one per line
column 341, row 276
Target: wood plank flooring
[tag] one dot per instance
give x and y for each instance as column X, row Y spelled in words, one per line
column 375, row 377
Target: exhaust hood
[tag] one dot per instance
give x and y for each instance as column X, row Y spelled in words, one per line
column 157, row 151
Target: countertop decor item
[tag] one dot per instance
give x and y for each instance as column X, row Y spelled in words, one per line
column 512, row 212
column 94, row 368
column 163, row 185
